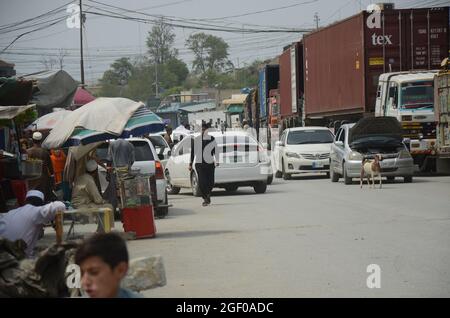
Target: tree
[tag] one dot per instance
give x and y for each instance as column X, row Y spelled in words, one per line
column 211, row 53
column 115, row 79
column 160, row 43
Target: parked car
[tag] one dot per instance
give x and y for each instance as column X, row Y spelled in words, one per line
column 302, row 150
column 161, row 146
column 242, row 162
column 146, row 160
column 366, row 138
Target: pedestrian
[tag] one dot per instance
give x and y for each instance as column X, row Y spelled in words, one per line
column 205, row 158
column 103, row 260
column 167, row 136
column 45, row 182
column 58, row 158
column 27, row 222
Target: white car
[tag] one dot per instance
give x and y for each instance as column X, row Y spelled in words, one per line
column 303, row 150
column 242, row 162
column 146, row 160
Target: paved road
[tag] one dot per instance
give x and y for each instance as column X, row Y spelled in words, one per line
column 307, row 237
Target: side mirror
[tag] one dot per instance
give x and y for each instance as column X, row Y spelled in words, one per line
column 161, row 156
column 392, row 102
column 279, row 144
column 169, row 153
column 339, row 143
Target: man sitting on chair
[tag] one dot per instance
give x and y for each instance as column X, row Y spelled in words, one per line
column 85, row 194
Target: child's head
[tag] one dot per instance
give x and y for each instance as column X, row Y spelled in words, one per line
column 103, row 260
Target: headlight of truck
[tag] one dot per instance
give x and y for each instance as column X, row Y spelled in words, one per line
column 293, row 155
column 355, row 156
column 404, row 154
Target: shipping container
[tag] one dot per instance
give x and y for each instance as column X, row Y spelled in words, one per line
column 268, row 79
column 291, row 80
column 343, row 61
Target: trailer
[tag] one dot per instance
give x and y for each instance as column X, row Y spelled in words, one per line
column 442, row 112
column 343, row 61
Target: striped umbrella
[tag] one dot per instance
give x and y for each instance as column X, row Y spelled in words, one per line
column 142, row 122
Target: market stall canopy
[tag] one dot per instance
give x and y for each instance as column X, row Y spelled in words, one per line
column 82, row 97
column 102, row 119
column 15, row 92
column 10, row 112
column 52, row 89
column 49, row 121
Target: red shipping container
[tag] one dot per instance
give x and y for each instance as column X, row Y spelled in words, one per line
column 139, row 220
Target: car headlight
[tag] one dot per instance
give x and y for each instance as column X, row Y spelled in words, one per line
column 293, row 155
column 404, row 154
column 355, row 156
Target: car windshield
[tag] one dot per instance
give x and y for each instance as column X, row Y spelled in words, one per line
column 301, row 137
column 417, row 95
column 142, row 151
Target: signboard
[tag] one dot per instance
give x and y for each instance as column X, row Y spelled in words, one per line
column 294, row 78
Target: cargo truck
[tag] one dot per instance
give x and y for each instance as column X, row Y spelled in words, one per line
column 343, row 63
column 442, row 112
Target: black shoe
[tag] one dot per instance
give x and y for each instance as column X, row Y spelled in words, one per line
column 208, row 198
column 205, row 203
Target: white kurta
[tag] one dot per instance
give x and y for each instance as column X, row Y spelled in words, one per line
column 27, row 222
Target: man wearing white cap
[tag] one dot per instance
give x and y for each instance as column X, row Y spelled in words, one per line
column 44, row 183
column 27, row 222
column 85, row 193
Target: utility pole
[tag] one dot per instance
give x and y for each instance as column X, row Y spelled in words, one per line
column 81, row 44
column 316, row 20
column 156, row 83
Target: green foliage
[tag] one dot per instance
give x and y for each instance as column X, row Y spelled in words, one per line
column 160, row 42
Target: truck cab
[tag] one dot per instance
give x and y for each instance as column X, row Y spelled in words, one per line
column 409, row 97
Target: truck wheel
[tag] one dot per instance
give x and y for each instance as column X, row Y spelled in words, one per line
column 408, row 179
column 260, row 187
column 347, row 180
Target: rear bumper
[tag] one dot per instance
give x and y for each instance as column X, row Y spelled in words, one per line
column 390, row 167
column 257, row 173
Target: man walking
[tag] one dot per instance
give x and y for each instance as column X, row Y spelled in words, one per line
column 205, row 158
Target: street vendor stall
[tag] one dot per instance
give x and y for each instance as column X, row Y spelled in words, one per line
column 107, row 119
column 16, row 169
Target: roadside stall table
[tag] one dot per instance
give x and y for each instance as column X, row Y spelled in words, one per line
column 101, row 215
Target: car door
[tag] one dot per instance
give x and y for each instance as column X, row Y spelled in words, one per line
column 338, row 150
column 179, row 164
column 281, row 150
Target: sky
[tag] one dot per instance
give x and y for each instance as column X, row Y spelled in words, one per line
column 106, row 39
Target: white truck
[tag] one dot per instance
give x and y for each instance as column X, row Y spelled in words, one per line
column 442, row 110
column 409, row 97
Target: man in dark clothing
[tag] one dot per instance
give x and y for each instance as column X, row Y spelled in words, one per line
column 205, row 156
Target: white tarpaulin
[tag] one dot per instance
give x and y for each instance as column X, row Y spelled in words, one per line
column 105, row 114
column 48, row 121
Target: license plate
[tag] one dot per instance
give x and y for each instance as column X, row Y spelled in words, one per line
column 317, row 164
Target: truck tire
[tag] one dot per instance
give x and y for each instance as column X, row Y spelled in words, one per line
column 347, row 180
column 260, row 187
column 231, row 188
column 408, row 179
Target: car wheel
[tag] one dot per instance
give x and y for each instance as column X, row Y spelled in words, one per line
column 162, row 212
column 408, row 179
column 333, row 175
column 260, row 187
column 286, row 176
column 170, row 188
column 232, row 188
column 390, row 178
column 270, row 179
column 278, row 174
column 194, row 185
column 347, row 180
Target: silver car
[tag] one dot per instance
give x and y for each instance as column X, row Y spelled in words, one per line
column 370, row 136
